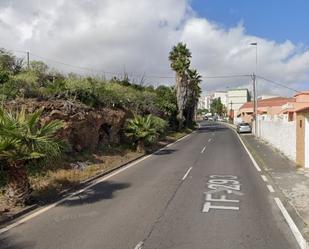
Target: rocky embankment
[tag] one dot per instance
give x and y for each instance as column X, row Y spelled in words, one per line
column 84, row 127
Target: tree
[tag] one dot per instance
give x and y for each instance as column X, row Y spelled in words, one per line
column 9, row 62
column 143, row 129
column 216, row 106
column 166, row 100
column 22, row 140
column 193, row 95
column 179, row 57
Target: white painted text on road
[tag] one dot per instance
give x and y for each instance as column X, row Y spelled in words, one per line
column 219, row 186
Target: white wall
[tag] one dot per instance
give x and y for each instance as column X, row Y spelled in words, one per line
column 279, row 133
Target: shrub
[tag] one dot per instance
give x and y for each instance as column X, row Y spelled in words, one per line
column 23, row 139
column 142, row 129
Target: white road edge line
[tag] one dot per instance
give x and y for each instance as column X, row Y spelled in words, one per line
column 45, row 209
column 203, row 149
column 182, row 138
column 187, row 173
column 139, row 245
column 249, row 153
column 297, row 234
column 270, row 188
column 264, row 178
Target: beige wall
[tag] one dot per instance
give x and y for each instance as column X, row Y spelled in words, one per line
column 300, row 138
column 303, row 97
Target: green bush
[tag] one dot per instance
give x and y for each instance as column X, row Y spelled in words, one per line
column 143, row 129
column 24, row 139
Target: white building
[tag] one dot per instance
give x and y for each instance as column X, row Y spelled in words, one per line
column 223, row 97
column 205, row 101
column 236, row 98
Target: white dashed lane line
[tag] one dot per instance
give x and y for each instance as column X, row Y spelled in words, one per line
column 270, row 188
column 203, row 149
column 264, row 178
column 187, row 173
column 139, row 245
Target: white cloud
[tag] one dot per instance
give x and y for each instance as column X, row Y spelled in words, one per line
column 136, row 35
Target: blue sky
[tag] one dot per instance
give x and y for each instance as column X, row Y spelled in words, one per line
column 278, row 20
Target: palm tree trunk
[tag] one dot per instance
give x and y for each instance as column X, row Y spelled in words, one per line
column 140, row 146
column 18, row 191
column 181, row 97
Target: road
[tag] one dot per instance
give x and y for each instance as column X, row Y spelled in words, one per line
column 202, row 192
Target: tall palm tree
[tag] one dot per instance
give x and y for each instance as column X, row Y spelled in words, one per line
column 194, row 92
column 23, row 139
column 179, row 57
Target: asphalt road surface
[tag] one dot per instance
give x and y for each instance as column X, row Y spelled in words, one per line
column 202, row 192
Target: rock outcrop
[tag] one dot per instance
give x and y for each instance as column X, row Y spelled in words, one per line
column 85, row 127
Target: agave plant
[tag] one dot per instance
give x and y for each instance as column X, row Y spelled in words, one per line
column 142, row 129
column 23, row 139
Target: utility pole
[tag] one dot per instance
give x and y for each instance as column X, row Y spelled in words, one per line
column 254, row 104
column 28, row 60
column 254, row 79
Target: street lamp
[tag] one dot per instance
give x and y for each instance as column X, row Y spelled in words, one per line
column 254, row 79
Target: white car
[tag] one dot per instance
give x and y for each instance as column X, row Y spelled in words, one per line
column 243, row 128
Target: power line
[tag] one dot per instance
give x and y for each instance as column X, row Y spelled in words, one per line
column 150, row 76
column 278, row 84
column 227, row 76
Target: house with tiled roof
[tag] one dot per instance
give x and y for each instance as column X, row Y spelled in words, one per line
column 283, row 122
column 267, row 107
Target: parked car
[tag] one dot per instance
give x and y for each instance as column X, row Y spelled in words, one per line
column 243, row 128
column 210, row 118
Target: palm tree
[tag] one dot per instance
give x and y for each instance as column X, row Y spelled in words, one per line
column 142, row 129
column 23, row 139
column 179, row 57
column 193, row 92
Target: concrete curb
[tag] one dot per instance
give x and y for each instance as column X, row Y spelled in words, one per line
column 65, row 192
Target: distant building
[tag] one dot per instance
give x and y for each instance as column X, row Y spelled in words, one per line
column 223, row 97
column 236, row 98
column 270, row 107
column 205, row 101
column 267, row 97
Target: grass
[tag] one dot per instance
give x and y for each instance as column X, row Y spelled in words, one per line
column 48, row 181
column 175, row 135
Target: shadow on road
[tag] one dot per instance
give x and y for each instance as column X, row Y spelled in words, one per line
column 10, row 242
column 212, row 128
column 164, row 152
column 100, row 191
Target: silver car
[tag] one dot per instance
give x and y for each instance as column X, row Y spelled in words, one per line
column 243, row 128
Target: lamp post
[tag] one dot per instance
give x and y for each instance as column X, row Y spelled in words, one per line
column 254, row 79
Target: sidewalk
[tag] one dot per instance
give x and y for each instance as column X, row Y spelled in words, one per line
column 292, row 181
